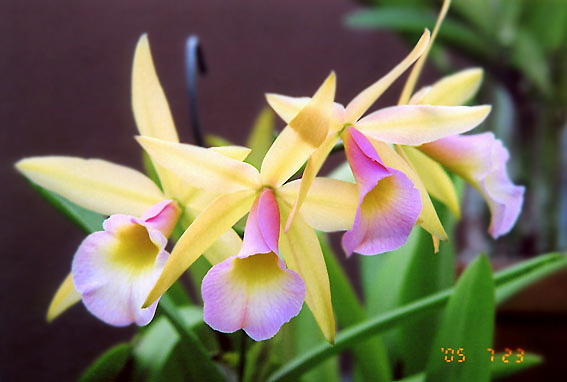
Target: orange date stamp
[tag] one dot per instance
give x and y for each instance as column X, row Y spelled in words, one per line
column 508, row 356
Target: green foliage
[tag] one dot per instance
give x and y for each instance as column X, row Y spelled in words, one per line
column 261, row 137
column 529, row 270
column 86, row 220
column 306, row 335
column 500, row 370
column 466, row 329
column 110, row 366
column 216, row 141
column 191, row 351
column 159, row 352
column 150, row 169
column 371, row 356
column 412, row 20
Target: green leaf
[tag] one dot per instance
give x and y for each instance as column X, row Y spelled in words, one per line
column 201, row 366
column 382, row 273
column 109, row 366
column 482, row 14
column 547, row 21
column 150, row 169
column 413, row 20
column 529, row 58
column 459, row 350
column 216, row 141
column 500, row 370
column 362, row 331
column 153, row 349
column 306, row 335
column 159, row 354
column 261, row 137
column 262, row 359
column 371, row 356
column 87, row 220
column 425, row 273
column 421, row 279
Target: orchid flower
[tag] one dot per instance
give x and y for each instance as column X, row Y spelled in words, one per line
column 392, row 198
column 263, row 286
column 480, row 159
column 115, row 258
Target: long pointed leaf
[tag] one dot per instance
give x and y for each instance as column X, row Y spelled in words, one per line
column 371, row 357
column 360, row 332
column 458, row 353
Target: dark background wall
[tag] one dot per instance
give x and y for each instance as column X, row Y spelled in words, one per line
column 65, row 90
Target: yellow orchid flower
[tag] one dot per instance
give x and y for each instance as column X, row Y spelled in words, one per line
column 479, row 159
column 404, row 124
column 116, row 190
column 242, row 291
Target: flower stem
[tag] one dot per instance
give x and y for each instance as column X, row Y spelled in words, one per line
column 242, row 361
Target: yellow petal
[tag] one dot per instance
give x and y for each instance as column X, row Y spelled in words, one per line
column 228, row 244
column 286, row 107
column 65, row 297
column 434, row 178
column 261, row 137
column 202, row 168
column 314, row 164
column 214, row 221
column 415, row 72
column 197, row 198
column 287, row 154
column 360, row 104
column 151, row 110
column 330, row 205
column 428, row 218
column 302, row 254
column 312, row 122
column 238, row 153
column 454, row 90
column 94, row 184
column 418, row 124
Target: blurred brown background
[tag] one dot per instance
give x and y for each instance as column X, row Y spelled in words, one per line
column 65, row 90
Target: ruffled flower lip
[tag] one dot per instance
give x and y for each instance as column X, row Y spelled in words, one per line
column 389, row 203
column 253, row 290
column 115, row 269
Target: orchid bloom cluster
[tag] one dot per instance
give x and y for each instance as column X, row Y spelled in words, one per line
column 398, row 156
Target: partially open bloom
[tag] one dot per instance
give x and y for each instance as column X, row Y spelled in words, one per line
column 481, row 159
column 113, row 270
column 253, row 290
column 404, row 124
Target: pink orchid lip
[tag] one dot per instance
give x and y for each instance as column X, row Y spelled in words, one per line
column 256, row 293
column 389, row 203
column 115, row 269
column 253, row 290
column 481, row 160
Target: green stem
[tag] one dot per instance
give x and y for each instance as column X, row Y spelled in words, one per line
column 204, row 368
column 242, row 360
column 360, row 332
